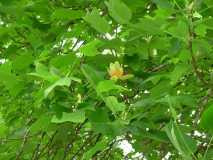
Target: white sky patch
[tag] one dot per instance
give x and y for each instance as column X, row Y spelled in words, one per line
column 126, row 147
column 106, row 51
column 146, row 92
column 78, row 45
column 2, row 61
column 138, row 156
column 196, row 133
column 119, row 29
column 63, row 42
column 192, row 113
column 109, row 37
column 38, row 17
column 155, row 52
column 167, row 156
column 79, row 54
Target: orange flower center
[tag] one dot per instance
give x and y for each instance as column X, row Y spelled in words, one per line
column 116, row 73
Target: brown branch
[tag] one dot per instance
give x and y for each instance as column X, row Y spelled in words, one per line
column 202, row 103
column 19, row 153
column 106, row 152
column 199, row 74
column 4, row 140
column 69, row 145
column 75, row 44
column 156, row 68
column 86, row 143
column 190, row 46
column 48, row 144
column 36, row 153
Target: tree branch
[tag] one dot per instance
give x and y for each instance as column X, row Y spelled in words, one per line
column 18, row 155
column 190, row 46
column 69, row 145
column 202, row 103
column 48, row 144
column 86, row 143
column 36, row 153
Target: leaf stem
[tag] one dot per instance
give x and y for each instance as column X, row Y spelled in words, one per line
column 209, row 145
column 190, row 45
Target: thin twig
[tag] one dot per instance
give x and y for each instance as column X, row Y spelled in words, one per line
column 17, row 139
column 156, row 68
column 69, row 145
column 202, row 103
column 86, row 143
column 190, row 46
column 36, row 153
column 207, row 149
column 48, row 144
column 19, row 153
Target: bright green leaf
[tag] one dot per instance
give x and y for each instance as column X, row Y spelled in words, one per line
column 75, row 117
column 108, row 85
column 114, row 105
column 97, row 22
column 119, row 11
column 206, row 119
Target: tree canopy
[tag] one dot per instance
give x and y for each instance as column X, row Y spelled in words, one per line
column 79, row 77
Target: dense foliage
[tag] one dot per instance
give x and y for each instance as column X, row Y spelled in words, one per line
column 78, row 77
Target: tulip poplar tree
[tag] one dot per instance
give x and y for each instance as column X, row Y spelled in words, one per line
column 80, row 77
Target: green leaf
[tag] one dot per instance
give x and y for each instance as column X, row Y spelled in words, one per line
column 156, row 135
column 3, row 126
column 100, row 122
column 144, row 102
column 63, row 61
column 185, row 145
column 148, row 26
column 179, row 71
column 155, row 78
column 163, row 4
column 41, row 124
column 67, row 14
column 43, row 72
column 23, row 61
column 91, row 48
column 114, row 105
column 201, row 30
column 209, row 155
column 34, row 37
column 208, row 2
column 209, row 23
column 179, row 30
column 127, row 76
column 206, row 119
column 12, row 82
column 98, row 116
column 161, row 89
column 92, row 75
column 119, row 11
column 61, row 82
column 108, row 85
column 180, row 100
column 75, row 117
column 98, row 147
column 201, row 46
column 56, row 72
column 97, row 22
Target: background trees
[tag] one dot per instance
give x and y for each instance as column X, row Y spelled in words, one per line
column 78, row 77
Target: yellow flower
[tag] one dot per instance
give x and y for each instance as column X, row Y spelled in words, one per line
column 115, row 70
